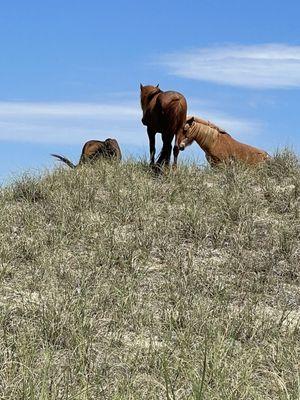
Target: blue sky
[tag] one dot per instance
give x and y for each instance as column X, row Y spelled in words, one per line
column 70, row 72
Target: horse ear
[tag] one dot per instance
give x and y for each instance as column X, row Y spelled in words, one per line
column 141, row 86
column 190, row 120
column 157, row 85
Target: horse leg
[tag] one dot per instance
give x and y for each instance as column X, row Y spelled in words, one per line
column 151, row 136
column 175, row 155
column 178, row 137
column 166, row 151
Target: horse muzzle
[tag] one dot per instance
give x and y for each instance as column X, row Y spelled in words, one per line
column 181, row 146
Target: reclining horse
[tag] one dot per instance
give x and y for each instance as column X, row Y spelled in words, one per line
column 93, row 150
column 217, row 144
column 163, row 112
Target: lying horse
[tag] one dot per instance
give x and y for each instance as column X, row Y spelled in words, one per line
column 163, row 112
column 217, row 144
column 93, row 150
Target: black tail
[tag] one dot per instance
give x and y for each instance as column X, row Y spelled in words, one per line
column 65, row 160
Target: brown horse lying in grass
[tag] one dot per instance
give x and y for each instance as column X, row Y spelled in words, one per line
column 93, row 150
column 163, row 112
column 217, row 144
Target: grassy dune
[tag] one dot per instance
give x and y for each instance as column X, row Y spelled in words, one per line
column 116, row 284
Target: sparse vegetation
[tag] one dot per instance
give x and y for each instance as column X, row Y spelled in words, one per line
column 116, row 284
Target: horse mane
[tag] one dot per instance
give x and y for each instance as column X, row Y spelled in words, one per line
column 153, row 93
column 210, row 124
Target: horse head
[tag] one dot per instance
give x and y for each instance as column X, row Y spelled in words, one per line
column 185, row 138
column 147, row 94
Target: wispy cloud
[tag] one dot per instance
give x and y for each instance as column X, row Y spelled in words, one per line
column 98, row 111
column 262, row 66
column 241, row 128
column 71, row 123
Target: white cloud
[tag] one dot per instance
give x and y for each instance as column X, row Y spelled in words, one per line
column 94, row 110
column 75, row 123
column 68, row 123
column 255, row 66
column 239, row 127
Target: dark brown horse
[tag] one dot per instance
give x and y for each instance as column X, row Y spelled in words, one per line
column 93, row 150
column 163, row 112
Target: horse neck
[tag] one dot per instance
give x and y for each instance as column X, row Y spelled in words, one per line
column 204, row 135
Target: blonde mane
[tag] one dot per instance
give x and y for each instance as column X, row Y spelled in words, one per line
column 209, row 124
column 205, row 132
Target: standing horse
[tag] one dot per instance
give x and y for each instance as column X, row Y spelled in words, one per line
column 217, row 144
column 163, row 112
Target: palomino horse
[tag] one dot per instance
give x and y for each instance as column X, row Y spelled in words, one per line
column 217, row 144
column 163, row 112
column 93, row 150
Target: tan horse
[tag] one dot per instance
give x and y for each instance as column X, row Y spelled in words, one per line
column 93, row 150
column 163, row 112
column 217, row 144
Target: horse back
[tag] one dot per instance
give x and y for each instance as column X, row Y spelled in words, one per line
column 227, row 147
column 169, row 99
column 91, row 147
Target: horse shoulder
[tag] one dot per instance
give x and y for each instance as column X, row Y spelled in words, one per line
column 224, row 145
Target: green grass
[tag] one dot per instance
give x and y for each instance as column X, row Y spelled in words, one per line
column 118, row 284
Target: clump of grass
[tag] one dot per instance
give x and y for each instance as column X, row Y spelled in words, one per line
column 27, row 188
column 119, row 284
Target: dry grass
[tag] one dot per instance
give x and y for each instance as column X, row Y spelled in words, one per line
column 116, row 284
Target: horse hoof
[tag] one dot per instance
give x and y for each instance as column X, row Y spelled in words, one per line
column 156, row 168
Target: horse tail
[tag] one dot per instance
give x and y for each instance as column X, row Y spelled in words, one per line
column 176, row 114
column 65, row 160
